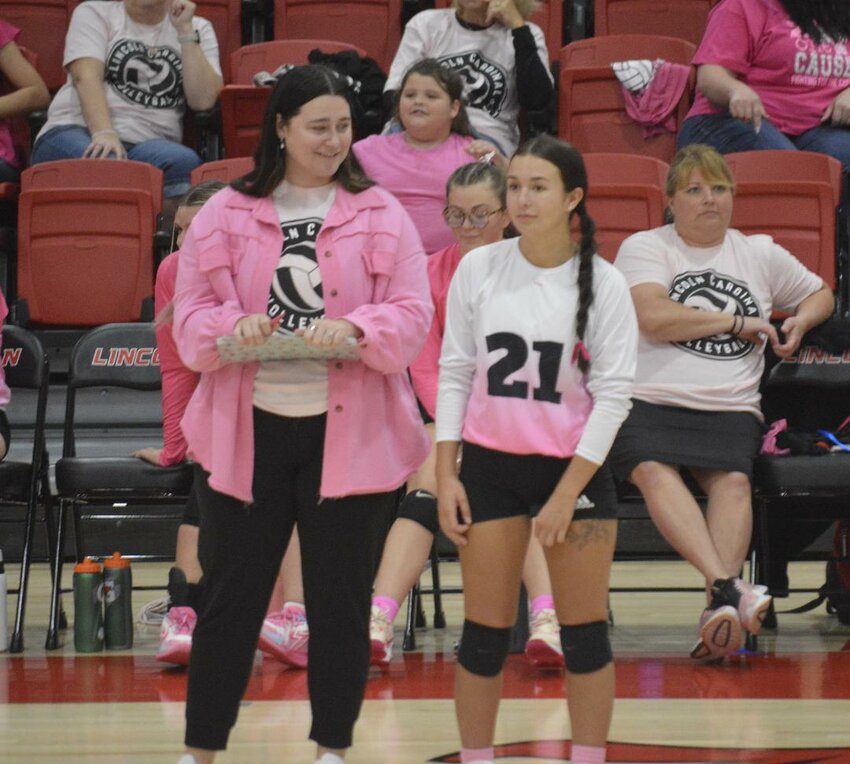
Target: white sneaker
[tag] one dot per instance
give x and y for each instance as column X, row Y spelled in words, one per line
column 381, row 637
column 544, row 643
column 330, row 758
column 187, row 758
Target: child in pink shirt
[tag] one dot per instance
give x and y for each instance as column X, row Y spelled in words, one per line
column 435, row 140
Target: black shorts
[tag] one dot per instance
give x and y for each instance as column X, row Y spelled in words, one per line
column 5, row 432
column 500, row 485
column 682, row 437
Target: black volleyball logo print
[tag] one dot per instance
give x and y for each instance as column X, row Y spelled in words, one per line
column 296, row 291
column 484, row 83
column 712, row 291
column 146, row 75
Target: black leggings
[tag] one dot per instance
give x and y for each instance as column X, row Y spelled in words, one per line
column 240, row 549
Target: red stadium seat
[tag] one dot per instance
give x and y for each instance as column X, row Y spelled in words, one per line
column 86, row 240
column 625, row 195
column 246, row 61
column 242, row 109
column 673, row 18
column 43, row 24
column 591, row 110
column 374, row 25
column 791, row 195
column 222, row 169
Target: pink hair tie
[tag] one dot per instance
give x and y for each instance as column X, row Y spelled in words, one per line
column 580, row 350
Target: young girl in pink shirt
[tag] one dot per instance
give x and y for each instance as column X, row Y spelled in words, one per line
column 435, row 140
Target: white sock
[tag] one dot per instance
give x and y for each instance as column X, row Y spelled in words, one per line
column 187, row 758
column 330, row 758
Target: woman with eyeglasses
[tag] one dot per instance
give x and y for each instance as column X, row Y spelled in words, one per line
column 415, row 163
column 475, row 212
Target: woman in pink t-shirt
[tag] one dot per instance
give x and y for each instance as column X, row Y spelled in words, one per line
column 435, row 140
column 22, row 91
column 773, row 74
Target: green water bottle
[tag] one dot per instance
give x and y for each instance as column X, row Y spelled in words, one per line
column 88, row 607
column 117, row 588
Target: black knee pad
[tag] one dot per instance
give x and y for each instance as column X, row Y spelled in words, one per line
column 483, row 649
column 421, row 507
column 586, row 647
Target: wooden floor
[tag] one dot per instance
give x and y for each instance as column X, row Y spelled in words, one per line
column 788, row 703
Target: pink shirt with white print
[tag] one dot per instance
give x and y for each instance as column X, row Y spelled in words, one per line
column 795, row 79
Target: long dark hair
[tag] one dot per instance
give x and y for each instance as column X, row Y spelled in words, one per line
column 450, row 83
column 820, row 19
column 294, row 89
column 570, row 164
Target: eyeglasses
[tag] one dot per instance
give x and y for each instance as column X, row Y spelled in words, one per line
column 478, row 216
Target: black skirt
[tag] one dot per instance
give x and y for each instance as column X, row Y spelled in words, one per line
column 714, row 440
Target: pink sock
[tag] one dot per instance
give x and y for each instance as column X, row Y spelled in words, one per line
column 587, row 754
column 541, row 602
column 468, row 755
column 388, row 605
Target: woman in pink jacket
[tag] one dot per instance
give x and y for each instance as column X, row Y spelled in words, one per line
column 303, row 245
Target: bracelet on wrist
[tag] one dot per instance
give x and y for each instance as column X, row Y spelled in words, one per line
column 194, row 36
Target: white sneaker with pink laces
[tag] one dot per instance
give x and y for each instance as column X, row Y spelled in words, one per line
column 380, row 637
column 175, row 636
column 543, row 647
column 285, row 635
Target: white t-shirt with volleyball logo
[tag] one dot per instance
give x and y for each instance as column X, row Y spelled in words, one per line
column 485, row 60
column 296, row 388
column 749, row 276
column 508, row 380
column 143, row 71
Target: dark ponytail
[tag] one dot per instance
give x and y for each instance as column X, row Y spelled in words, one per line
column 570, row 164
column 587, row 249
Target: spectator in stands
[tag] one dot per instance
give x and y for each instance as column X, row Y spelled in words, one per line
column 5, row 397
column 704, row 294
column 133, row 68
column 23, row 92
column 475, row 211
column 774, row 74
column 415, row 163
column 285, row 633
column 536, row 368
column 304, row 245
column 494, row 48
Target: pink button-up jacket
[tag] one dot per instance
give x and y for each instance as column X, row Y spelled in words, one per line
column 373, row 273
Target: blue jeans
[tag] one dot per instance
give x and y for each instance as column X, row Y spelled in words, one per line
column 727, row 135
column 175, row 160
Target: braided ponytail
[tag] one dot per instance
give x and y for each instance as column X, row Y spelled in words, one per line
column 587, row 248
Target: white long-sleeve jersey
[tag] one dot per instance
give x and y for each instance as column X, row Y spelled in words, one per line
column 508, row 380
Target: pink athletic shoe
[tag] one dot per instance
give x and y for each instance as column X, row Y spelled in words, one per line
column 175, row 637
column 285, row 635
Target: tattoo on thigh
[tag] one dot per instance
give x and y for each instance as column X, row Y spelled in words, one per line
column 590, row 532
